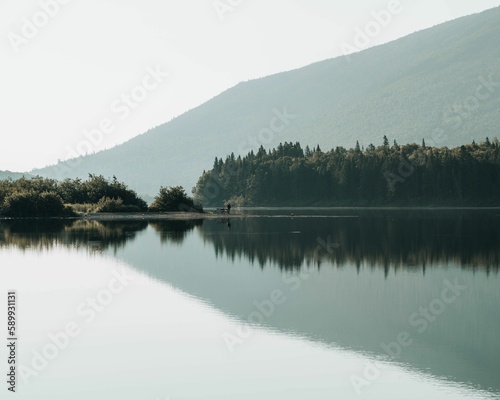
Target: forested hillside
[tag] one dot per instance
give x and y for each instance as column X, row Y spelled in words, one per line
column 412, row 175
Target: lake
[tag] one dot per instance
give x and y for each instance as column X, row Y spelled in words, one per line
column 278, row 304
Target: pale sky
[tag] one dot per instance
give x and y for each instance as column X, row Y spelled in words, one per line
column 66, row 72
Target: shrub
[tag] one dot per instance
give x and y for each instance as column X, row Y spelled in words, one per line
column 32, row 204
column 71, row 191
column 111, row 205
column 97, row 187
column 108, row 204
column 83, row 208
column 174, row 199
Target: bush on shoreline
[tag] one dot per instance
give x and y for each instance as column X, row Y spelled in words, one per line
column 35, row 205
column 112, row 205
column 39, row 197
column 174, row 199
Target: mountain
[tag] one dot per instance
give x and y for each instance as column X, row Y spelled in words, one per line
column 441, row 84
column 12, row 175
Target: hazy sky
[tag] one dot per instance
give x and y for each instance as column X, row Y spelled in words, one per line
column 125, row 66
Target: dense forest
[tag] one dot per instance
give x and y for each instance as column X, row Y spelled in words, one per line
column 410, row 174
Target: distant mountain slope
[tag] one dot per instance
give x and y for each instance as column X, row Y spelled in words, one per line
column 13, row 175
column 425, row 85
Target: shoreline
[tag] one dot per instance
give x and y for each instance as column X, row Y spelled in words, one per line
column 174, row 216
column 156, row 216
column 210, row 215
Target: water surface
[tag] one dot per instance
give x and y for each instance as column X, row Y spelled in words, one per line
column 375, row 304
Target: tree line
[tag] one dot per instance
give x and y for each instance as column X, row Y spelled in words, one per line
column 42, row 197
column 411, row 175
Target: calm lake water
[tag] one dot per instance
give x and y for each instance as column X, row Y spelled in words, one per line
column 324, row 304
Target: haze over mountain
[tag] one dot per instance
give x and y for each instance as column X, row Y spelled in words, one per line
column 441, row 84
column 13, row 175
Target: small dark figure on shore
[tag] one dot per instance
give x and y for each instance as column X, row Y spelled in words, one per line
column 229, row 208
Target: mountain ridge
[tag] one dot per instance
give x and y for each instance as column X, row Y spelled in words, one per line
column 407, row 89
column 13, row 175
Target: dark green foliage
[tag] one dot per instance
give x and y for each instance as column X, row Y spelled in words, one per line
column 107, row 204
column 97, row 187
column 174, row 199
column 34, row 204
column 112, row 205
column 20, row 203
column 46, row 197
column 397, row 175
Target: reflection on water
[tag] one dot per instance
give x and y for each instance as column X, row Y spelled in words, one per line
column 46, row 234
column 354, row 279
column 174, row 231
column 399, row 239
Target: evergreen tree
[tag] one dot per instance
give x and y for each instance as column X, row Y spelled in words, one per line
column 401, row 175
